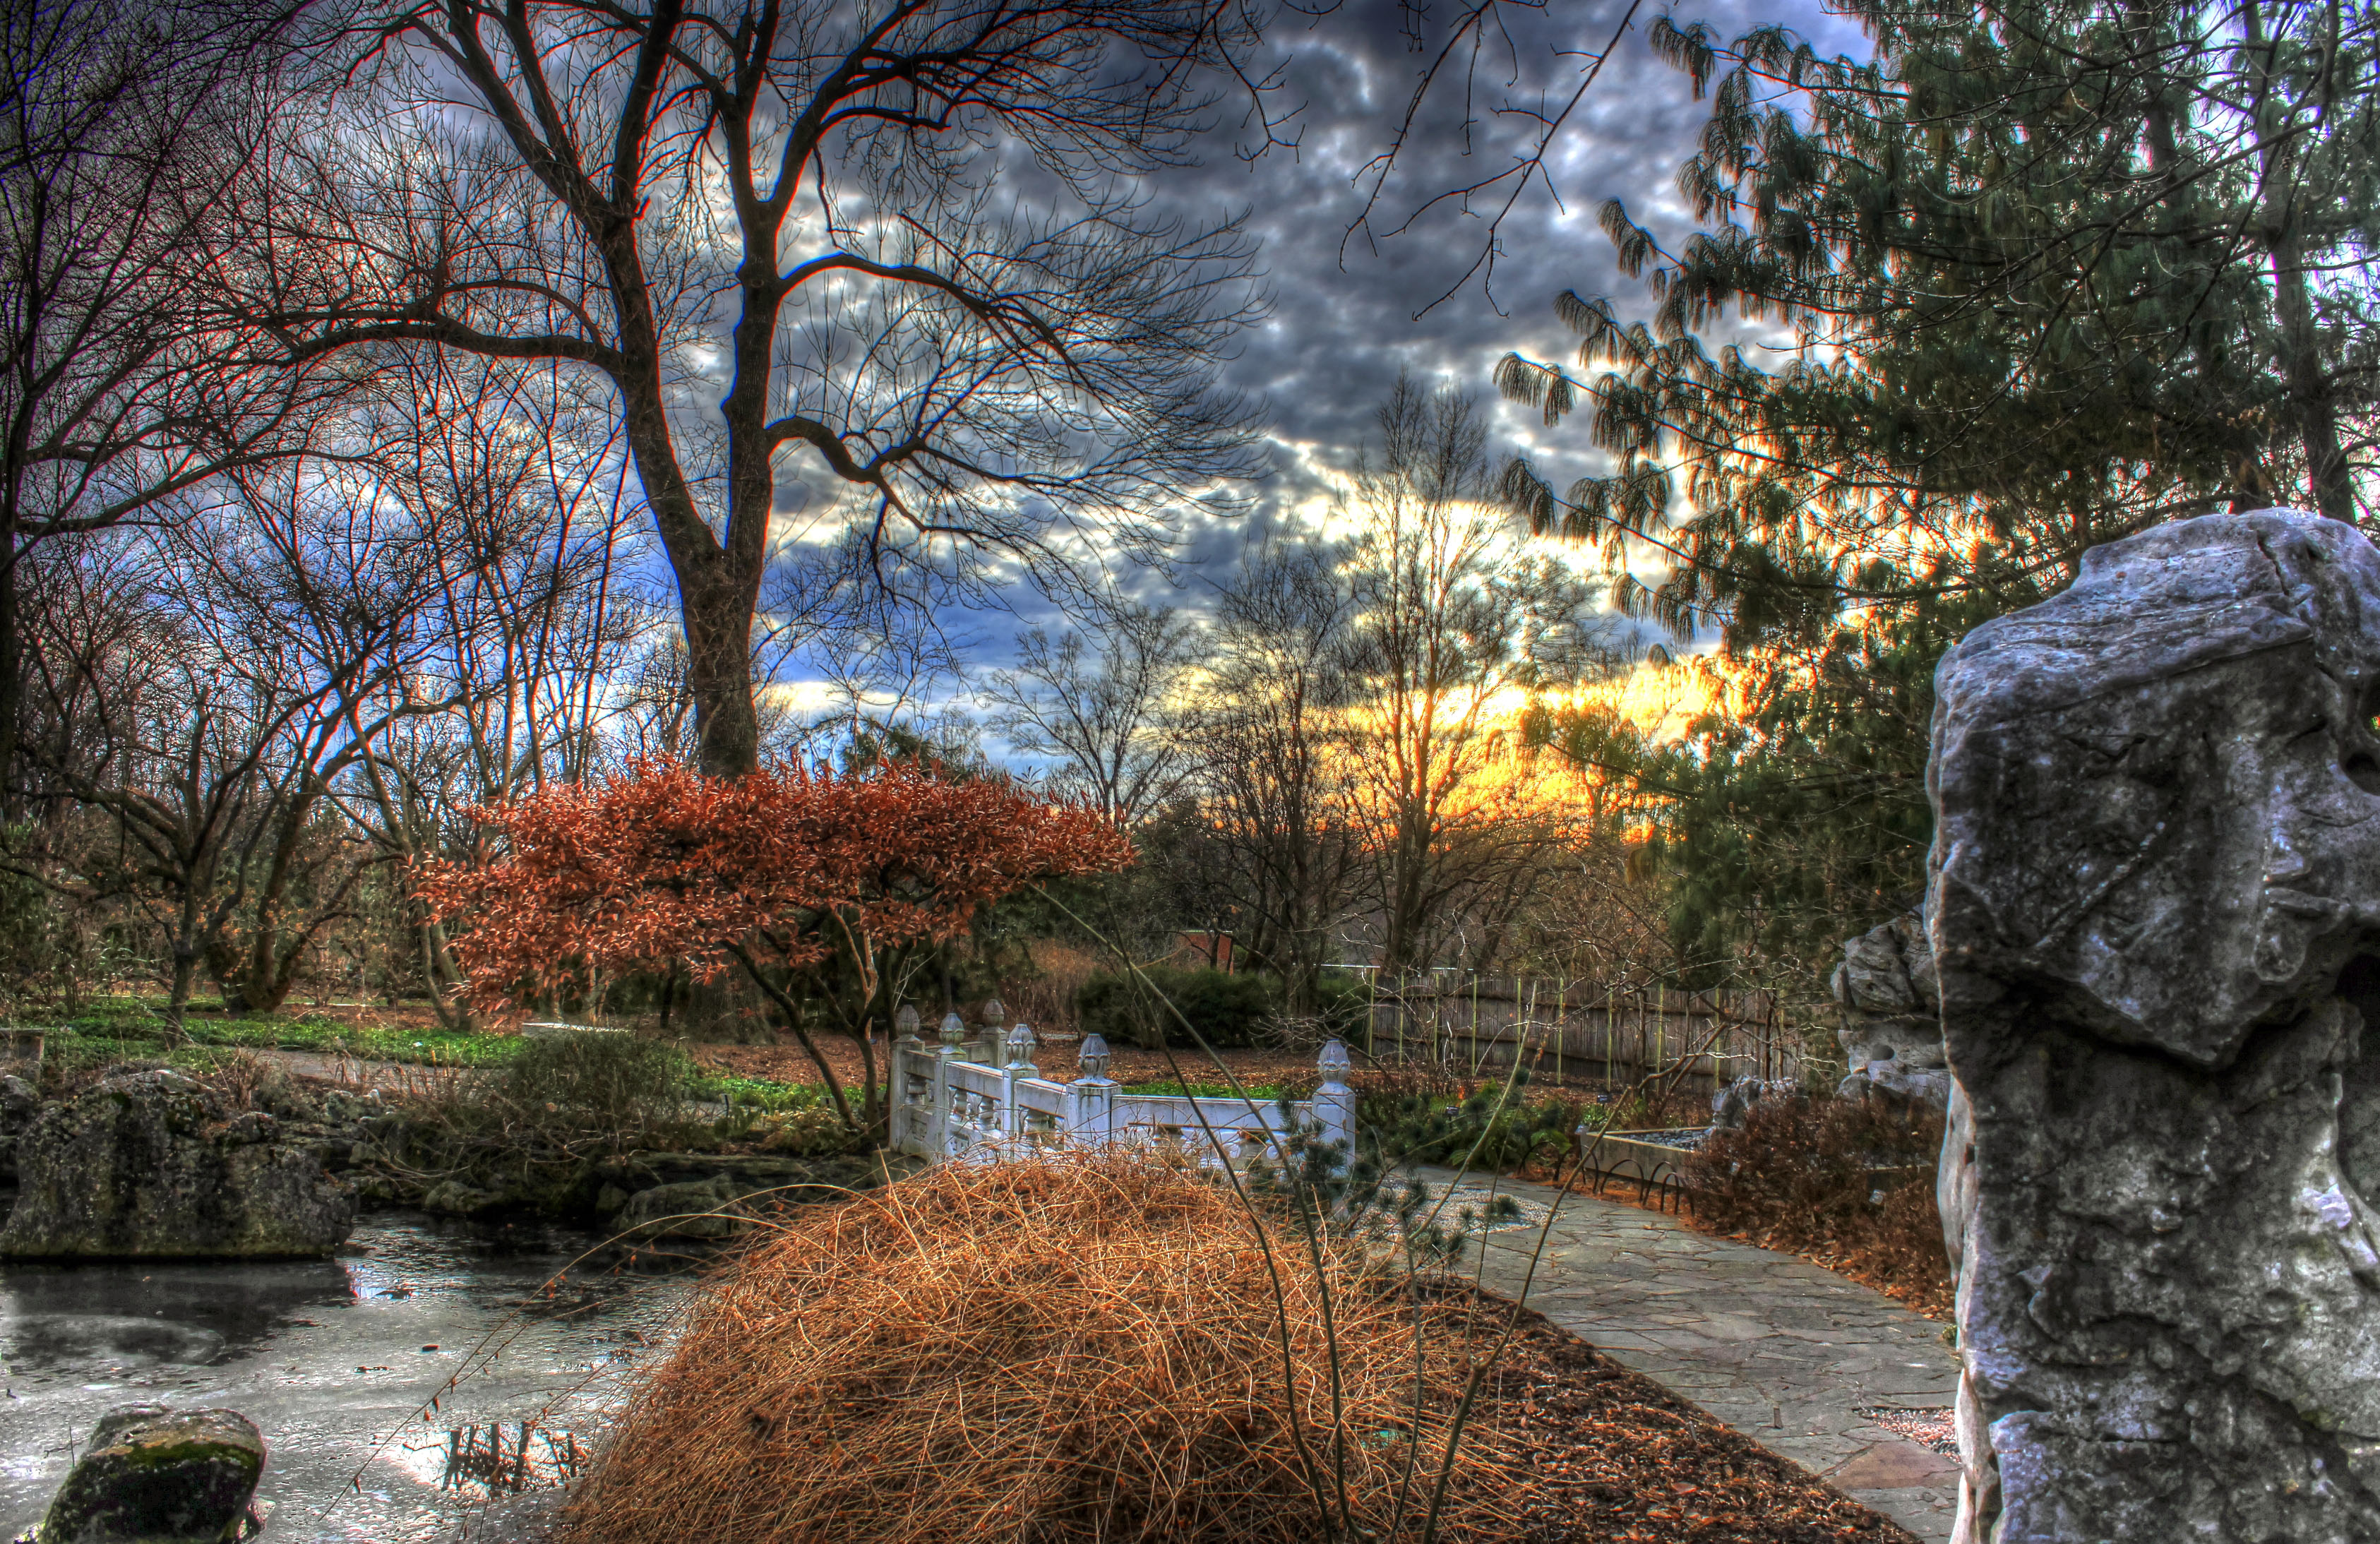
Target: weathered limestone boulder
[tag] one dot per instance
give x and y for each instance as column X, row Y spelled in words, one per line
column 156, row 1164
column 1892, row 1003
column 18, row 1105
column 1733, row 1102
column 155, row 1475
column 705, row 1208
column 2155, row 913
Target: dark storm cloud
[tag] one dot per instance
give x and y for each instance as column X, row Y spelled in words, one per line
column 1352, row 308
column 1353, row 304
column 1347, row 309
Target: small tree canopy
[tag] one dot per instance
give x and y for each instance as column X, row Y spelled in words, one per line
column 788, row 866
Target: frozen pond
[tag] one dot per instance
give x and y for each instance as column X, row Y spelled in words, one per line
column 338, row 1361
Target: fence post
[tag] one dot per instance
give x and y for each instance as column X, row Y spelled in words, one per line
column 1020, row 1064
column 1334, row 1102
column 953, row 1031
column 1092, row 1097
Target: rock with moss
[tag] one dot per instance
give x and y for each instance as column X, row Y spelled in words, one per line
column 157, row 1165
column 155, row 1476
column 455, row 1198
column 708, row 1210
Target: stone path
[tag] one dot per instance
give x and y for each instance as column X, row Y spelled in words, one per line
column 1785, row 1352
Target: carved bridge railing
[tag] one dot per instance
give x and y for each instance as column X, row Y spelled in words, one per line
column 959, row 1100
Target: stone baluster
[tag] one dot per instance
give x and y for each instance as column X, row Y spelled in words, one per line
column 1334, row 1101
column 1019, row 1064
column 1092, row 1097
column 988, row 1051
column 945, row 1134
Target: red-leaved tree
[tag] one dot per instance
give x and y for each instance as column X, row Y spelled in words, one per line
column 781, row 873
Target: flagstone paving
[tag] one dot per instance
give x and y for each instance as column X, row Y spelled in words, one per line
column 1790, row 1354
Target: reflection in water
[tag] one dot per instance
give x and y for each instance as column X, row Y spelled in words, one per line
column 80, row 1319
column 506, row 1333
column 501, row 1458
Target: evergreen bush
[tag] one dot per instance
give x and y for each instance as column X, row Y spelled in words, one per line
column 1227, row 1011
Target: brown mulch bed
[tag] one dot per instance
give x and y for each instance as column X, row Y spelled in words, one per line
column 1608, row 1457
column 1934, row 1297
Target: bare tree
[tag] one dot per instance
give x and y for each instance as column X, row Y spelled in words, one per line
column 525, row 619
column 1112, row 727
column 1454, row 625
column 900, row 244
column 1271, row 743
column 130, row 132
column 225, row 677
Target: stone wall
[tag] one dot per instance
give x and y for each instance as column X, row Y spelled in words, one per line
column 2155, row 913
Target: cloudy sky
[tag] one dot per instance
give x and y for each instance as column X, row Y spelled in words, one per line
column 1349, row 314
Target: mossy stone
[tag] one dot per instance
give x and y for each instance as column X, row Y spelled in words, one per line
column 155, row 1476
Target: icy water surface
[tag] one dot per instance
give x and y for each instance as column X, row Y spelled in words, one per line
column 338, row 1361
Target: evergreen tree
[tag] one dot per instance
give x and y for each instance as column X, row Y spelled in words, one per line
column 1795, row 812
column 2042, row 275
column 2045, row 273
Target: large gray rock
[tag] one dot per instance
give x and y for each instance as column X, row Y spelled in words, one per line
column 1732, row 1104
column 707, row 1209
column 2155, row 911
column 18, row 1105
column 1891, row 1005
column 155, row 1475
column 156, row 1164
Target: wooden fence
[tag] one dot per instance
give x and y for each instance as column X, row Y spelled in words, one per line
column 1574, row 1029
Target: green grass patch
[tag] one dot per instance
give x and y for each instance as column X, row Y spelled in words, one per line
column 755, row 1093
column 122, row 1036
column 1263, row 1093
column 68, row 1053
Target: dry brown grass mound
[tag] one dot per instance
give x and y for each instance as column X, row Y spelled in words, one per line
column 1078, row 1349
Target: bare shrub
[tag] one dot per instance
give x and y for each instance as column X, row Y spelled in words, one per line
column 247, row 1080
column 1085, row 1348
column 1850, row 1182
column 1043, row 995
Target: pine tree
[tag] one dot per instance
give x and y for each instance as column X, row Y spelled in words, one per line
column 2042, row 276
column 2045, row 275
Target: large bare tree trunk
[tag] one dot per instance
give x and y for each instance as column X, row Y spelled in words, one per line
column 975, row 380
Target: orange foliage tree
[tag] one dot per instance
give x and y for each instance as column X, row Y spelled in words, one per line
column 780, row 872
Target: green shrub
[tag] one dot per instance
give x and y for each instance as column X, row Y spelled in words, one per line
column 611, row 1083
column 1493, row 1124
column 1226, row 1010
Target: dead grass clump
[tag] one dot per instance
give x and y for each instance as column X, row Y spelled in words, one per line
column 1085, row 1348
